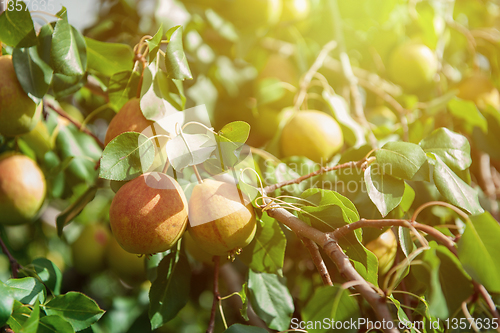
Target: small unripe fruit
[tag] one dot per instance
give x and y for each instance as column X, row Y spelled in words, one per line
column 22, row 189
column 128, row 119
column 149, row 214
column 312, row 134
column 127, row 266
column 385, row 248
column 221, row 217
column 413, row 66
column 88, row 251
column 18, row 113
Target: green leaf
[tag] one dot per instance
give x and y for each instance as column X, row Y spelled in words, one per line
column 79, row 310
column 26, row 290
column 20, row 314
column 454, row 189
column 354, row 134
column 266, row 252
column 400, row 159
column 332, row 303
column 169, row 293
column 239, row 328
column 31, row 324
column 244, row 300
column 68, row 51
column 49, row 273
column 175, row 59
column 229, row 140
column 189, row 149
column 154, row 43
column 64, row 85
column 122, row 87
column 32, row 72
column 74, row 209
column 108, row 58
column 490, row 141
column 451, row 147
column 54, row 324
column 386, row 192
column 6, row 303
column 16, row 25
column 270, row 299
column 127, row 156
column 479, row 250
column 468, row 114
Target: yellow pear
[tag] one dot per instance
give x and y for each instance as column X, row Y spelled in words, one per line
column 312, row 134
column 385, row 248
column 18, row 113
column 149, row 214
column 221, row 217
column 22, row 189
column 198, row 253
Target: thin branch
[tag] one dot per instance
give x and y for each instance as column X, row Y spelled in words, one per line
column 438, row 203
column 63, row 114
column 215, row 303
column 331, row 247
column 274, row 187
column 13, row 262
column 317, row 260
column 486, row 296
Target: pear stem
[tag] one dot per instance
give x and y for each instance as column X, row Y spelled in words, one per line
column 13, row 262
column 200, row 180
column 217, row 297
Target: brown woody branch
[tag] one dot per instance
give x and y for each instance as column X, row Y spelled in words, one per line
column 211, row 324
column 317, row 260
column 15, row 266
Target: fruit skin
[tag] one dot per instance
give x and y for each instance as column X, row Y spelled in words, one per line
column 381, row 115
column 89, row 250
column 479, row 89
column 221, row 217
column 18, row 113
column 198, row 253
column 412, row 66
column 39, row 139
column 385, row 248
column 128, row 119
column 22, row 189
column 129, row 267
column 148, row 214
column 312, row 134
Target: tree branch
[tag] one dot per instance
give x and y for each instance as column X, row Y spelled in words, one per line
column 317, row 260
column 13, row 262
column 211, row 324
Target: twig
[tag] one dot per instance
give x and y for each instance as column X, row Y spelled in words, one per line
column 95, row 89
column 13, row 262
column 317, row 260
column 331, row 247
column 306, row 79
column 348, row 73
column 63, row 114
column 274, row 187
column 491, row 305
column 215, row 303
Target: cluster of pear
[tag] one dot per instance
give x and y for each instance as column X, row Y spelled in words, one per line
column 150, row 213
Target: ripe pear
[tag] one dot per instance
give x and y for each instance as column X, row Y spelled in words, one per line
column 149, row 214
column 89, row 250
column 129, row 267
column 385, row 248
column 128, row 119
column 412, row 65
column 221, row 217
column 198, row 253
column 479, row 89
column 312, row 134
column 18, row 113
column 22, row 189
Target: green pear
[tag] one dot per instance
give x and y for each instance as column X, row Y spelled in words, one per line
column 127, row 266
column 312, row 134
column 22, row 189
column 149, row 214
column 221, row 218
column 385, row 248
column 89, row 250
column 198, row 253
column 18, row 113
